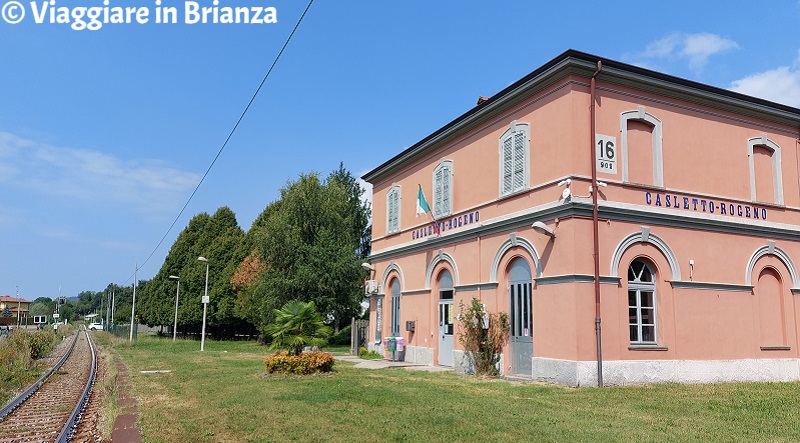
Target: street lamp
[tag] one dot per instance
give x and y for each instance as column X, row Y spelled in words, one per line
column 133, row 304
column 177, row 291
column 205, row 305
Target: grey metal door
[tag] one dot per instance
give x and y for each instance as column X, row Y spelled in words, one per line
column 446, row 332
column 445, row 319
column 395, row 308
column 521, row 317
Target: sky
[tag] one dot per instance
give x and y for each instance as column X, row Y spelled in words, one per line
column 104, row 134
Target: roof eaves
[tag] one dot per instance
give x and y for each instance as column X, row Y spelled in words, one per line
column 583, row 64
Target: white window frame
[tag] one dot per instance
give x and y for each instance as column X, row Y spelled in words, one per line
column 777, row 176
column 393, row 221
column 640, row 287
column 640, row 115
column 443, row 195
column 517, row 172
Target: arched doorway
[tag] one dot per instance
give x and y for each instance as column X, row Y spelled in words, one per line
column 446, row 318
column 521, row 316
column 395, row 323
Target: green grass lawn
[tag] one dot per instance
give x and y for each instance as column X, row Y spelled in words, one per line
column 222, row 395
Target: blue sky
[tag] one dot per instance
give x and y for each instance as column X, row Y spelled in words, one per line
column 104, row 134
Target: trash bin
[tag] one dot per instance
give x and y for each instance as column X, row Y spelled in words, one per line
column 400, row 349
column 390, row 344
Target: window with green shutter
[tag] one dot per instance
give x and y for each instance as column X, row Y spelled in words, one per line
column 514, row 158
column 393, row 210
column 443, row 189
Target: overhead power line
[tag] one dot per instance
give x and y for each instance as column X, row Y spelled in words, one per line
column 228, row 138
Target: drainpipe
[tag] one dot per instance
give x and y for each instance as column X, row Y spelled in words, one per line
column 595, row 233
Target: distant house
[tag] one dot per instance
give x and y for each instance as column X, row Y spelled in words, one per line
column 19, row 308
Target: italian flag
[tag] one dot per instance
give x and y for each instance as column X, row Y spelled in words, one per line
column 422, row 204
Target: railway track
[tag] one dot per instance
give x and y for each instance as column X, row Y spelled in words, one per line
column 50, row 409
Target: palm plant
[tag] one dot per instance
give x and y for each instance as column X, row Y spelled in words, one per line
column 297, row 325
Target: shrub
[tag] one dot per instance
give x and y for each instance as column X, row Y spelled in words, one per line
column 368, row 355
column 42, row 343
column 483, row 336
column 17, row 359
column 305, row 363
column 340, row 338
column 296, row 326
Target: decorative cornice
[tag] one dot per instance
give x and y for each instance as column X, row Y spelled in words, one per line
column 575, row 278
column 475, row 287
column 647, row 348
column 415, row 291
column 613, row 211
column 711, row 286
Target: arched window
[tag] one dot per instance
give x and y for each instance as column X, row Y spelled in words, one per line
column 514, row 158
column 642, row 302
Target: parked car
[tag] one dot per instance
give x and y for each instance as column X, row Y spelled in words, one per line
column 96, row 326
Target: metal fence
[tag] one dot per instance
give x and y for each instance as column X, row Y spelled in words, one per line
column 358, row 335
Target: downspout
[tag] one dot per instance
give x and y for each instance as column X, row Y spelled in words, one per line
column 595, row 232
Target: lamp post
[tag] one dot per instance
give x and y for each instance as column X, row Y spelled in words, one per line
column 108, row 307
column 177, row 291
column 133, row 305
column 205, row 305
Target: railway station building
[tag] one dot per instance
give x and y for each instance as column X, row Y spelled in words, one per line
column 636, row 227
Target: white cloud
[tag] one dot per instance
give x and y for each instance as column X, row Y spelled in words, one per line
column 698, row 47
column 662, row 48
column 780, row 85
column 694, row 48
column 92, row 176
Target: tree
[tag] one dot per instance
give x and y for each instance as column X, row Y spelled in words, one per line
column 356, row 206
column 40, row 309
column 309, row 243
column 67, row 312
column 296, row 326
column 217, row 238
column 6, row 312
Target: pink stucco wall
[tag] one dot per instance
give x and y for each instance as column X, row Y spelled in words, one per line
column 709, row 313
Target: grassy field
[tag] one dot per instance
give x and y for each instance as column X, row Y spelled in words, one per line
column 221, row 395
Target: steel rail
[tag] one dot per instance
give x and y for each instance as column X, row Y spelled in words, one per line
column 18, row 400
column 72, row 422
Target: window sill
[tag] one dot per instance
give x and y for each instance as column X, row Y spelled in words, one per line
column 776, row 348
column 647, row 348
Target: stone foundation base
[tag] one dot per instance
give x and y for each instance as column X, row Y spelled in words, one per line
column 584, row 373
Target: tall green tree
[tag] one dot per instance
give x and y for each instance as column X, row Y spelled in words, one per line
column 39, row 309
column 216, row 238
column 309, row 244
